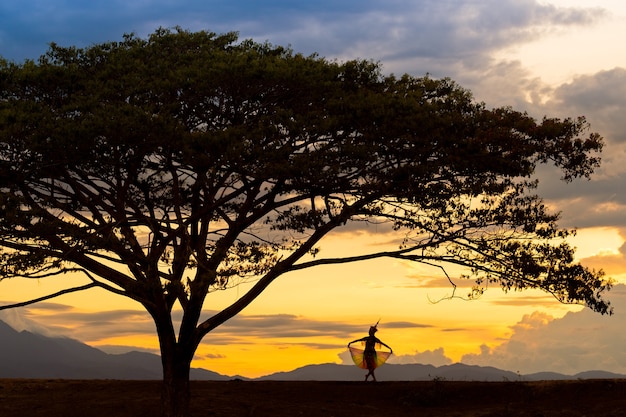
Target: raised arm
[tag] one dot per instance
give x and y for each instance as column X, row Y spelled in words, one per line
column 384, row 344
column 357, row 340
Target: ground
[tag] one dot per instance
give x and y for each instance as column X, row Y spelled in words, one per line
column 68, row 398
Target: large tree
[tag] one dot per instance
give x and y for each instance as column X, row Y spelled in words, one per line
column 170, row 167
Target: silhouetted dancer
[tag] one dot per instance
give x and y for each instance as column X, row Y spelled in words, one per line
column 369, row 358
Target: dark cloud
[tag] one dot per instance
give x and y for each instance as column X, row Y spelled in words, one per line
column 291, row 326
column 390, row 31
column 212, row 356
column 600, row 201
column 242, row 329
column 445, row 38
column 605, row 90
column 601, row 98
column 455, row 329
column 404, row 325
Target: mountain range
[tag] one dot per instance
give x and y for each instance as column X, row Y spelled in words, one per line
column 31, row 355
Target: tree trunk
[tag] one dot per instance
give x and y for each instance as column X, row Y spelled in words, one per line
column 176, row 357
column 175, row 395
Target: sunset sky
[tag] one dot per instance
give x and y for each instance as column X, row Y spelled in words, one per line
column 557, row 58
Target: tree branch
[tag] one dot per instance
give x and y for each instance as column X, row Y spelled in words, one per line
column 50, row 296
column 94, row 283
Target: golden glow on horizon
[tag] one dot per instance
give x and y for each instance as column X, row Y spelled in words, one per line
column 356, row 294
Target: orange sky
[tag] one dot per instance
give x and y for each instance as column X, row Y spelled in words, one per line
column 309, row 316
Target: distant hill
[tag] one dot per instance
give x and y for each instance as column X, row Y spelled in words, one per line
column 392, row 372
column 419, row 372
column 30, row 355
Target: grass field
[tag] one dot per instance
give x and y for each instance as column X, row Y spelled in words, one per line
column 96, row 398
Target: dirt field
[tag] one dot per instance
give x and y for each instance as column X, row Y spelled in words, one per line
column 63, row 398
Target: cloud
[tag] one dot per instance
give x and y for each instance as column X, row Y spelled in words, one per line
column 531, row 301
column 281, row 326
column 612, row 264
column 445, row 38
column 287, row 326
column 212, row 356
column 393, row 31
column 435, row 357
column 601, row 98
column 94, row 327
column 59, row 320
column 20, row 319
column 600, row 92
column 599, row 202
column 430, row 280
column 502, row 83
column 580, row 341
column 405, row 325
column 19, row 322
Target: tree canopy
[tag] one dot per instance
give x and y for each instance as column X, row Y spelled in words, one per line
column 169, row 167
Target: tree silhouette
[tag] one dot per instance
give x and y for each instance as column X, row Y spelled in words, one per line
column 166, row 168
